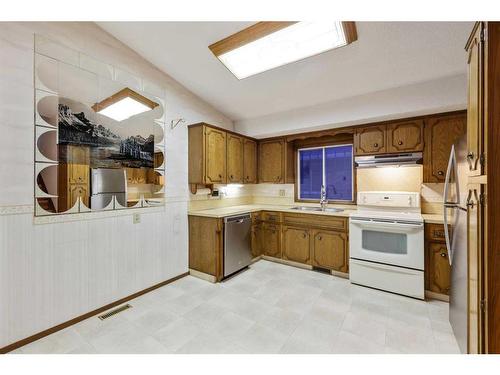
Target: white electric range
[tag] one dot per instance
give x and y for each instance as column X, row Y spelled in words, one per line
column 386, row 237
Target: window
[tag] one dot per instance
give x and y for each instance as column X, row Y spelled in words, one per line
column 268, row 45
column 331, row 166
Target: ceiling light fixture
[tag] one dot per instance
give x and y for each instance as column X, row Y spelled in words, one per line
column 268, row 45
column 124, row 104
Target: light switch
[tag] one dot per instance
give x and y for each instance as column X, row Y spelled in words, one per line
column 282, row 192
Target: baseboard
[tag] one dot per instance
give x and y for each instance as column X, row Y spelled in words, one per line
column 78, row 319
column 438, row 296
column 340, row 274
column 203, row 275
column 287, row 262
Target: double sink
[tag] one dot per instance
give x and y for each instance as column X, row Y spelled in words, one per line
column 308, row 208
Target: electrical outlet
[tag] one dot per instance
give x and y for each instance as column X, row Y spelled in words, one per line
column 282, row 192
column 137, row 218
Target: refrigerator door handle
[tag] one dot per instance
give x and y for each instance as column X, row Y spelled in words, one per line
column 447, row 204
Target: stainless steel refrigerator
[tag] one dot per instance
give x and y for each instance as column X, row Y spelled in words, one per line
column 455, row 225
column 106, row 182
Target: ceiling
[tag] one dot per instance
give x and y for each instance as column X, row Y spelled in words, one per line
column 386, row 55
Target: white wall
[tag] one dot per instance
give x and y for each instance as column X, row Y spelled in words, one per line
column 441, row 95
column 50, row 273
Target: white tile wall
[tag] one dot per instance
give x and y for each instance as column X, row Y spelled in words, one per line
column 50, row 273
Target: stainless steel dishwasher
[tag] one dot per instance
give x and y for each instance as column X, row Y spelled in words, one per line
column 237, row 243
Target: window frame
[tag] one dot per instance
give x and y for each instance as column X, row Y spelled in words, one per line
column 323, row 147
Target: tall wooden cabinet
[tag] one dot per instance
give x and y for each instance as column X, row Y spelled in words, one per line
column 440, row 133
column 249, row 161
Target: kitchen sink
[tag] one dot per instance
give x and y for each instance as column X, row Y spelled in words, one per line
column 308, row 208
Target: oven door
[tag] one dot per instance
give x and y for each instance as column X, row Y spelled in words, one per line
column 388, row 242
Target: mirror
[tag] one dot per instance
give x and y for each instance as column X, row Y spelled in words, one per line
column 105, row 147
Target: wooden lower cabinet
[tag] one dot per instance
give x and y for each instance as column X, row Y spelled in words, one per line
column 439, row 268
column 256, row 232
column 271, row 240
column 296, row 245
column 206, row 245
column 330, row 250
column 437, row 263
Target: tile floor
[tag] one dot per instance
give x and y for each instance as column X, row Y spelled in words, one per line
column 270, row 308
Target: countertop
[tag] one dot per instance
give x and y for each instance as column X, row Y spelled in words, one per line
column 236, row 210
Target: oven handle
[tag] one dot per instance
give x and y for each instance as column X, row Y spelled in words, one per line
column 380, row 224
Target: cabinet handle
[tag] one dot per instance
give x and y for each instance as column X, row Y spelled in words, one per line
column 375, row 145
column 400, row 143
column 443, row 255
column 231, row 177
column 440, row 173
column 319, row 238
column 304, row 235
column 220, row 176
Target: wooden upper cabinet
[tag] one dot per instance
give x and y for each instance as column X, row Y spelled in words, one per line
column 474, row 102
column 296, row 245
column 370, row 140
column 234, row 158
column 215, row 161
column 249, row 161
column 440, row 134
column 272, row 161
column 330, row 250
column 207, row 154
column 405, row 136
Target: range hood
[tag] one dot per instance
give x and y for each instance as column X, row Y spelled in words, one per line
column 388, row 160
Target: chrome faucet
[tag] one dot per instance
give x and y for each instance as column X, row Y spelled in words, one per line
column 323, row 202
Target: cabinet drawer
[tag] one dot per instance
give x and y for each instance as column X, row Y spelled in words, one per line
column 271, row 216
column 434, row 232
column 316, row 221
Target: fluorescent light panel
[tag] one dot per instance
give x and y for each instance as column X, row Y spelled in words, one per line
column 292, row 43
column 124, row 108
column 124, row 104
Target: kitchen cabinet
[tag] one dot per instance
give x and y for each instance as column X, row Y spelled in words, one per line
column 370, row 140
column 73, row 176
column 296, row 245
column 475, row 256
column 437, row 263
column 330, row 250
column 272, row 154
column 207, row 155
column 256, row 240
column 215, row 160
column 440, row 134
column 234, row 159
column 206, row 246
column 405, row 136
column 439, row 268
column 249, row 161
column 475, row 53
column 271, row 240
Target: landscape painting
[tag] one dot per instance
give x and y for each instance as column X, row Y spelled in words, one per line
column 111, row 144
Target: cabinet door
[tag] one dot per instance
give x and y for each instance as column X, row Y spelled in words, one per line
column 249, row 161
column 272, row 161
column 256, row 240
column 439, row 268
column 296, row 245
column 370, row 140
column 271, row 243
column 234, row 159
column 440, row 133
column 475, row 255
column 215, row 156
column 405, row 136
column 474, row 104
column 329, row 250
